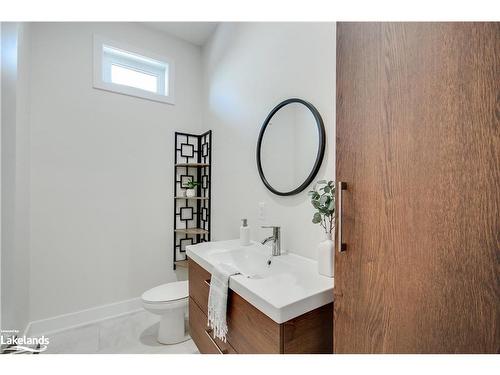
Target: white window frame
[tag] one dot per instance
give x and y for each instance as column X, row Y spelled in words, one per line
column 102, row 71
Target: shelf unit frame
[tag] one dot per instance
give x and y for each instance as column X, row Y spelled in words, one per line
column 193, row 157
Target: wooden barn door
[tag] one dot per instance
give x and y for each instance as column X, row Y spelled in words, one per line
column 418, row 146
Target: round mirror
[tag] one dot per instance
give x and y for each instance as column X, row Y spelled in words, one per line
column 290, row 147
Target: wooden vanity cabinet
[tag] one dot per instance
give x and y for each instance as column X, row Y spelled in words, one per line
column 252, row 332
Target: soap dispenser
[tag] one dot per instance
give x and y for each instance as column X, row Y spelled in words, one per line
column 244, row 233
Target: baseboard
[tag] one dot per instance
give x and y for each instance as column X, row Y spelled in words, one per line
column 80, row 318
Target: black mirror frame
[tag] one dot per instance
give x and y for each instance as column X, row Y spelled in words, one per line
column 319, row 155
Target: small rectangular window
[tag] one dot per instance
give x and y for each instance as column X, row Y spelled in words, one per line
column 124, row 75
column 128, row 71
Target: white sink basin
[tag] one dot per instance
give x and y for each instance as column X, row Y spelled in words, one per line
column 251, row 262
column 287, row 287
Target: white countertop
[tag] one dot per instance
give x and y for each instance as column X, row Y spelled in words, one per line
column 289, row 287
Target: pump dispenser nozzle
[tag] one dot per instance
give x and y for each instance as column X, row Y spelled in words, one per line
column 244, row 233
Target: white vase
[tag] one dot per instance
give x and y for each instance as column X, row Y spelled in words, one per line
column 190, row 193
column 326, row 256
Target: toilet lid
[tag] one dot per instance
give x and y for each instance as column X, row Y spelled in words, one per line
column 167, row 292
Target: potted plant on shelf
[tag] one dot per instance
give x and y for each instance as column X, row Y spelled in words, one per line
column 323, row 201
column 191, row 188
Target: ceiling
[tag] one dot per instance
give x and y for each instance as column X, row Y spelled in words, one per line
column 193, row 32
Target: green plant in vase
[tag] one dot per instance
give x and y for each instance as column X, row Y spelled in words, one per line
column 323, row 201
column 191, row 188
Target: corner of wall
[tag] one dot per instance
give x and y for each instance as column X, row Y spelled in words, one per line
column 15, row 164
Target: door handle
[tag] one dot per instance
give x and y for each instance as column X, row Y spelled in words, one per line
column 340, row 245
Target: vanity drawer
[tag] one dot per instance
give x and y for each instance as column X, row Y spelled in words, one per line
column 200, row 333
column 249, row 330
column 198, row 285
column 311, row 332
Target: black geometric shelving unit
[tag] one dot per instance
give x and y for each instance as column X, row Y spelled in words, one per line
column 193, row 157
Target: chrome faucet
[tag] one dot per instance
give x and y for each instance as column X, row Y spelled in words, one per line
column 276, row 238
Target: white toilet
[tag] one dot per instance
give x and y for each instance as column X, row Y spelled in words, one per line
column 170, row 301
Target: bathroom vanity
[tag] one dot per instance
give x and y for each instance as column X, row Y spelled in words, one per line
column 284, row 307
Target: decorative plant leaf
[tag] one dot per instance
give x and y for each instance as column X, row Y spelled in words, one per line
column 331, row 206
column 316, row 218
column 323, row 200
column 191, row 184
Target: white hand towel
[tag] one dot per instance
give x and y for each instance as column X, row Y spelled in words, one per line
column 217, row 299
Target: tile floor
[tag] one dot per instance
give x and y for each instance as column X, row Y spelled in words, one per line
column 130, row 334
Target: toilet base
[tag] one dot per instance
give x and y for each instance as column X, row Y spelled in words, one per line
column 170, row 302
column 172, row 327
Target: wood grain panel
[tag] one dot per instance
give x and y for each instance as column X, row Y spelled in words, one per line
column 198, row 289
column 249, row 330
column 199, row 334
column 311, row 332
column 418, row 143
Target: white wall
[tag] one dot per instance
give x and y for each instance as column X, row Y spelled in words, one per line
column 15, row 175
column 248, row 69
column 102, row 170
column 94, row 168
